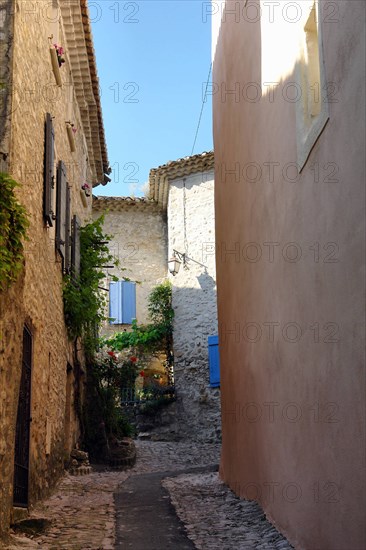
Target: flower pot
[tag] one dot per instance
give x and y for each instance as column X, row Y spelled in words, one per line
column 55, row 66
column 70, row 135
column 84, row 198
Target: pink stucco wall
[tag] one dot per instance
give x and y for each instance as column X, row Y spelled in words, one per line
column 290, row 278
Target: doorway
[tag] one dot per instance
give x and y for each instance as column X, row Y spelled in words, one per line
column 22, row 434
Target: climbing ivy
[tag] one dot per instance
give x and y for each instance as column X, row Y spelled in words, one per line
column 13, row 228
column 84, row 297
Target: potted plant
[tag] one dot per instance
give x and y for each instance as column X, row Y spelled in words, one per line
column 57, row 59
column 85, row 192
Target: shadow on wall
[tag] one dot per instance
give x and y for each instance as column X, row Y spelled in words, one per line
column 195, row 318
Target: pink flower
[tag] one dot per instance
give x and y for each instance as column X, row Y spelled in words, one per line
column 59, row 49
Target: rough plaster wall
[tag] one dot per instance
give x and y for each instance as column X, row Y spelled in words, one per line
column 139, row 242
column 293, row 399
column 37, row 297
column 194, row 303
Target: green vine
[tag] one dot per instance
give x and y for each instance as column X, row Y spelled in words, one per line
column 13, row 228
column 155, row 336
column 84, row 299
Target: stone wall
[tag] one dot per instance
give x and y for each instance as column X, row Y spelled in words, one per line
column 191, row 230
column 36, row 298
column 139, row 242
column 6, row 47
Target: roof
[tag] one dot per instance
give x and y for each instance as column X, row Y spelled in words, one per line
column 159, row 177
column 75, row 15
column 119, row 204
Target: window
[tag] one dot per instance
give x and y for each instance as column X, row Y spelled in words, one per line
column 312, row 112
column 63, row 216
column 122, row 302
column 49, row 177
column 214, row 361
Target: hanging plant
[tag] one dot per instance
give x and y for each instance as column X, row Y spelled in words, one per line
column 57, row 59
column 87, row 189
column 13, row 226
column 60, row 54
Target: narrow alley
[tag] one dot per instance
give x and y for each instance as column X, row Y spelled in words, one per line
column 182, row 275
column 171, row 498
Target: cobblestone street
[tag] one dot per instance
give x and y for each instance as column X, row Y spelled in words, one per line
column 82, row 511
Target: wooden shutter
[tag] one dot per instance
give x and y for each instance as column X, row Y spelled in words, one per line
column 49, row 177
column 115, row 303
column 128, row 302
column 75, row 248
column 214, row 361
column 61, row 202
column 122, row 302
column 67, row 258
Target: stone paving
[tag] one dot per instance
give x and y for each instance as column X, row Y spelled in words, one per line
column 216, row 519
column 82, row 509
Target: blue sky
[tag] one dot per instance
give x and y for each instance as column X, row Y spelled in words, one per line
column 153, row 60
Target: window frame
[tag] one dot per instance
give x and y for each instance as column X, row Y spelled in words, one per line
column 310, row 127
column 121, row 318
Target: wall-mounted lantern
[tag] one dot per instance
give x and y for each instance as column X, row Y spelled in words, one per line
column 175, row 262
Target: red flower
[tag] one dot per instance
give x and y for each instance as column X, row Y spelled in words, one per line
column 142, row 373
column 133, row 359
column 112, row 354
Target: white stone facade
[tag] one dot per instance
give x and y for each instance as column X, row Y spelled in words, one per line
column 191, row 230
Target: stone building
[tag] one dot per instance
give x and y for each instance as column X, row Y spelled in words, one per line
column 52, row 143
column 184, row 189
column 178, row 215
column 139, row 240
column 289, row 137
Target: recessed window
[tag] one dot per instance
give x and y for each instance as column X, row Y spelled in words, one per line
column 312, row 66
column 312, row 111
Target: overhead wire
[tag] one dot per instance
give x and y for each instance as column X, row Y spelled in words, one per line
column 202, row 107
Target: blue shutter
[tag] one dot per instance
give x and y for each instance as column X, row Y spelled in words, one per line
column 128, row 302
column 115, row 302
column 214, row 361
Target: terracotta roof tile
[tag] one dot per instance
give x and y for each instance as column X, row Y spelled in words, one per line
column 159, row 177
column 75, row 14
column 101, row 203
